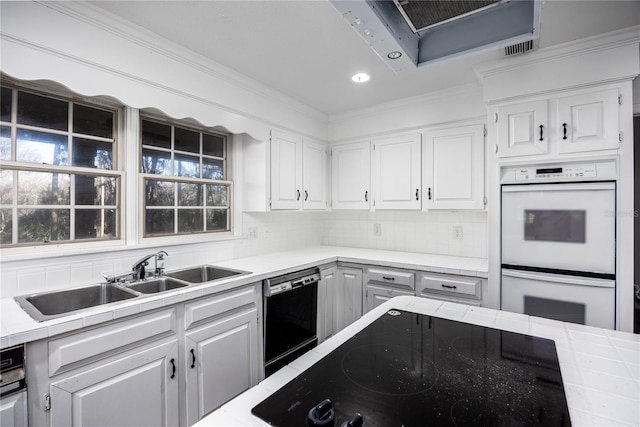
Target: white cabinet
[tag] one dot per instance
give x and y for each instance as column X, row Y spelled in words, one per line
column 467, row 290
column 326, row 302
column 453, row 168
column 138, row 389
column 572, row 122
column 588, row 122
column 350, row 169
column 13, row 410
column 298, row 172
column 523, row 128
column 386, row 283
column 220, row 350
column 348, row 297
column 396, row 172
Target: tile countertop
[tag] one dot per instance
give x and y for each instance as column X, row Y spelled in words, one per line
column 17, row 327
column 600, row 368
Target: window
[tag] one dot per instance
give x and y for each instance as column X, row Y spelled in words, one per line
column 58, row 180
column 185, row 182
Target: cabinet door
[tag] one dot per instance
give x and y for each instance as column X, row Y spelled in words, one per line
column 13, row 410
column 376, row 295
column 139, row 389
column 588, row 122
column 454, row 168
column 523, row 129
column 286, row 171
column 348, row 296
column 397, row 172
column 326, row 307
column 222, row 361
column 350, row 171
column 314, row 170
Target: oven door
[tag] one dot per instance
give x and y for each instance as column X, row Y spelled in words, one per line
column 560, row 226
column 583, row 300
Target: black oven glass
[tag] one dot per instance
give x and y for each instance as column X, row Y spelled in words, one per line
column 551, row 225
column 417, row 370
column 290, row 320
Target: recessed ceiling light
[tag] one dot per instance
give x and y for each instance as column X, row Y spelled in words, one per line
column 394, row 55
column 360, row 77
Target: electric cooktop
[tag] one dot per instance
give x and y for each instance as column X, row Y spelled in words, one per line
column 409, row 369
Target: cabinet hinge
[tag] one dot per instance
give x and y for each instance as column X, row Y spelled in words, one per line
column 47, row 402
column 269, row 203
column 620, row 136
column 495, row 117
column 484, row 130
column 619, row 99
column 484, row 200
column 496, row 148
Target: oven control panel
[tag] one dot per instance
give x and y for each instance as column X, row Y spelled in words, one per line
column 553, row 172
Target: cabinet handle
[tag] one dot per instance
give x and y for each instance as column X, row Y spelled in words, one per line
column 389, row 278
column 429, row 193
column 448, row 286
column 417, row 192
column 298, row 196
column 366, row 196
column 193, row 363
column 564, row 126
column 541, row 139
column 173, row 368
column 306, row 195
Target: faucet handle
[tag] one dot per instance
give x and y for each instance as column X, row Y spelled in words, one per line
column 110, row 278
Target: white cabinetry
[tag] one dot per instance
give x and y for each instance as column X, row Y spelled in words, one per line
column 467, row 290
column 579, row 121
column 396, row 172
column 384, row 284
column 523, row 128
column 326, row 302
column 220, row 350
column 453, row 168
column 13, row 410
column 298, row 172
column 348, row 297
column 350, row 169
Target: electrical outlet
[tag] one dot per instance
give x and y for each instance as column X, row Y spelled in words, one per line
column 252, row 232
column 456, row 232
column 377, row 229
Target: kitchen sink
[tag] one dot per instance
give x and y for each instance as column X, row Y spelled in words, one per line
column 153, row 286
column 49, row 305
column 204, row 273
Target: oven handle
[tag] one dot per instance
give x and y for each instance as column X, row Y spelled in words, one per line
column 585, row 186
column 560, row 278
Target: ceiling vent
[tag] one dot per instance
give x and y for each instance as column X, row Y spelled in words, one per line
column 519, row 48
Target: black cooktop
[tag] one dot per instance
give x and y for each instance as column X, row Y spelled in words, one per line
column 408, row 369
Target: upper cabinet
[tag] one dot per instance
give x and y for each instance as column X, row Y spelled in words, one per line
column 571, row 122
column 298, row 172
column 453, row 168
column 523, row 129
column 350, row 173
column 396, row 172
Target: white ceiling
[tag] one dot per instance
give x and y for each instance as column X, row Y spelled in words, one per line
column 307, row 51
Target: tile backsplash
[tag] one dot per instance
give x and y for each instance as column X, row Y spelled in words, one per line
column 449, row 233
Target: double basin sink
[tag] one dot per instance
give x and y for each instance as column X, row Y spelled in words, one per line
column 50, row 305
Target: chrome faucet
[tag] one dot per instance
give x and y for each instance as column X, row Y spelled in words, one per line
column 139, row 266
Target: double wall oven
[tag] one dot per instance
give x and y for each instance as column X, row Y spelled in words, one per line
column 558, row 225
column 291, row 317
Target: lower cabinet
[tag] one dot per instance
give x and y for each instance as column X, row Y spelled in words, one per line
column 220, row 350
column 376, row 295
column 386, row 283
column 326, row 302
column 348, row 297
column 13, row 410
column 446, row 287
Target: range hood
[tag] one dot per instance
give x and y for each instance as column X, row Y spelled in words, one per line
column 408, row 34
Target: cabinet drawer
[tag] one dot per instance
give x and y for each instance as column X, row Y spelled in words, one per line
column 90, row 345
column 452, row 285
column 198, row 311
column 396, row 278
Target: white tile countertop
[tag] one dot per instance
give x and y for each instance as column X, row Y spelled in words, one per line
column 17, row 327
column 600, row 368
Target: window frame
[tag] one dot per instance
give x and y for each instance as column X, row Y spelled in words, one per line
column 194, row 236
column 117, row 171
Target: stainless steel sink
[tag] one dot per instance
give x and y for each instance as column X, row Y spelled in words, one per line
column 204, row 273
column 49, row 305
column 153, row 286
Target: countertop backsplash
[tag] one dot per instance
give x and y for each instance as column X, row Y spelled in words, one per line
column 421, row 232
